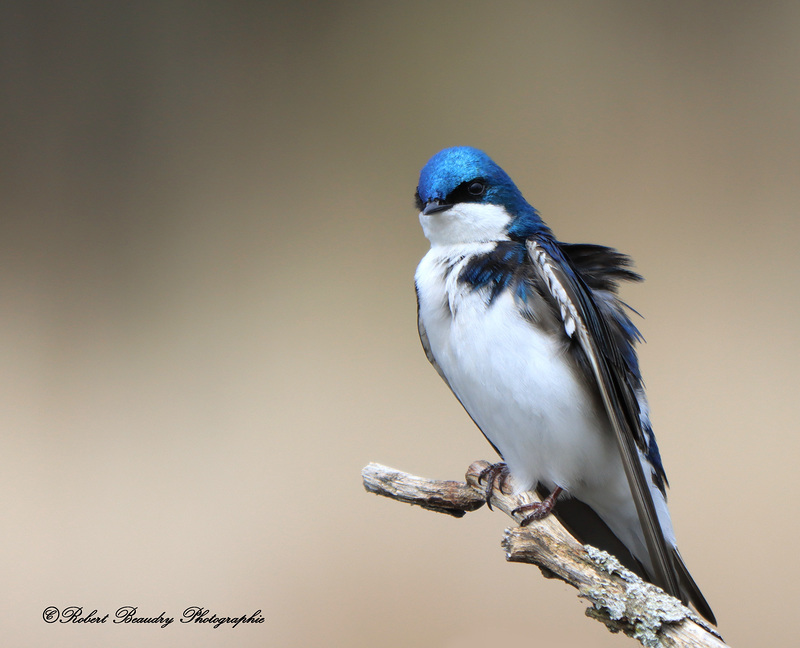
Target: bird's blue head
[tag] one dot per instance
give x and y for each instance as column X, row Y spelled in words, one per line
column 468, row 182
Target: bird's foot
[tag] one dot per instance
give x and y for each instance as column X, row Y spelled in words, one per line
column 538, row 510
column 495, row 475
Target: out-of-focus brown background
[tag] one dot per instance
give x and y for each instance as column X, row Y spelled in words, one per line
column 208, row 319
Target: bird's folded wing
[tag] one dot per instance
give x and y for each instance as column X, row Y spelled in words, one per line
column 584, row 322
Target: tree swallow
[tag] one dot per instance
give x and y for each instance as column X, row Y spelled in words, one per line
column 529, row 334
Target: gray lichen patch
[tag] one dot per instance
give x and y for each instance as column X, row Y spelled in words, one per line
column 638, row 608
column 610, row 564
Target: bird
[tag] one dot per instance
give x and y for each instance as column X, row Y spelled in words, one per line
column 530, row 335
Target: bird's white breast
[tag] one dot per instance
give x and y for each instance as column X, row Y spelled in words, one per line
column 516, row 381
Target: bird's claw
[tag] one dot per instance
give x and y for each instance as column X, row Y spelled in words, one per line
column 537, row 510
column 495, row 475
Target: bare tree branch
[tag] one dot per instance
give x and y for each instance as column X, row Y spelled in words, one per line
column 619, row 598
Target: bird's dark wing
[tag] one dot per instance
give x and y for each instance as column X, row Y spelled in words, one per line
column 584, row 322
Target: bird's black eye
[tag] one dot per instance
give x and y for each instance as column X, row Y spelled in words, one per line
column 476, row 188
column 468, row 191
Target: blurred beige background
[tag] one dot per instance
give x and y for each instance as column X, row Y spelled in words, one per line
column 208, row 319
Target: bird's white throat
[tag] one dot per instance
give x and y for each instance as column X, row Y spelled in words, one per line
column 466, row 223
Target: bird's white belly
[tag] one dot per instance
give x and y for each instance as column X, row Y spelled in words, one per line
column 521, row 388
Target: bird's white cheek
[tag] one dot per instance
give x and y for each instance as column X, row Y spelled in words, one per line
column 466, row 223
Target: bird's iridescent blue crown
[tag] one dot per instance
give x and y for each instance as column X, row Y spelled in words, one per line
column 448, row 178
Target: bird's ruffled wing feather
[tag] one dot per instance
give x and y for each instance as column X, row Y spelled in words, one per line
column 584, row 323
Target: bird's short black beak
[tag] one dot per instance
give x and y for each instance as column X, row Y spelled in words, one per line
column 435, row 205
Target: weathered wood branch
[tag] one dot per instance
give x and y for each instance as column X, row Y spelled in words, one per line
column 619, row 598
